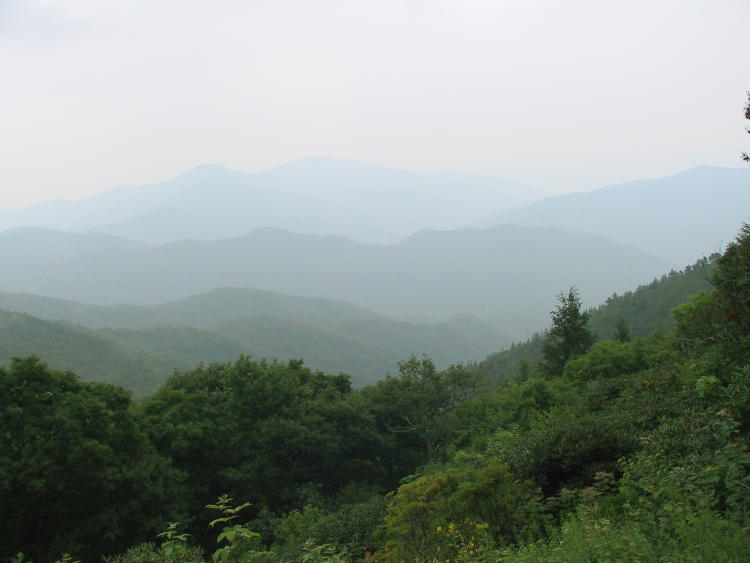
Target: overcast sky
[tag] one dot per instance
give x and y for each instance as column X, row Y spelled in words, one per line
column 566, row 95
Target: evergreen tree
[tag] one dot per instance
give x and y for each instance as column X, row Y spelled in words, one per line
column 746, row 156
column 569, row 334
column 622, row 332
column 732, row 295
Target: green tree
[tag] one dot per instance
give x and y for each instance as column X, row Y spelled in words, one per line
column 569, row 335
column 732, row 294
column 716, row 325
column 416, row 406
column 746, row 156
column 427, row 513
column 272, row 433
column 77, row 472
column 622, row 332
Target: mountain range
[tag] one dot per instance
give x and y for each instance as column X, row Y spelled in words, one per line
column 365, row 202
column 138, row 347
column 431, row 275
column 679, row 218
column 330, row 260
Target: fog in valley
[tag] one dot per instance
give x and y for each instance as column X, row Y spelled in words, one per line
column 482, row 254
column 396, row 274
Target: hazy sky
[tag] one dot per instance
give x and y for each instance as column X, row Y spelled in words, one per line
column 565, row 95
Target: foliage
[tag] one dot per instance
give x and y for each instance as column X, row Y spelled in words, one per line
column 588, row 537
column 606, row 360
column 732, row 281
column 506, row 365
column 649, row 308
column 746, row 156
column 622, row 332
column 698, row 321
column 242, row 544
column 151, row 553
column 68, row 347
column 457, row 497
column 569, row 449
column 569, row 334
column 416, row 406
column 262, row 431
column 350, row 527
column 645, row 311
column 77, row 472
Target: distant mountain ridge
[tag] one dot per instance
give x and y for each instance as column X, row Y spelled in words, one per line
column 67, row 347
column 138, row 347
column 366, row 202
column 206, row 310
column 221, row 325
column 678, row 218
column 436, row 274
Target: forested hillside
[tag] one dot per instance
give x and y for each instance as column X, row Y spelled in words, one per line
column 640, row 313
column 335, row 337
column 649, row 308
column 147, row 343
column 205, row 310
column 92, row 357
column 624, row 449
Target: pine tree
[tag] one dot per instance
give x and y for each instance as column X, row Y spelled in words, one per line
column 569, row 335
column 745, row 155
column 622, row 332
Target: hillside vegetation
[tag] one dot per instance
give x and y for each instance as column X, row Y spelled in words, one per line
column 67, row 347
column 642, row 312
column 631, row 449
column 145, row 344
column 332, row 336
column 206, row 310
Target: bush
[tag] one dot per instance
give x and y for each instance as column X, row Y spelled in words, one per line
column 458, row 497
column 606, row 360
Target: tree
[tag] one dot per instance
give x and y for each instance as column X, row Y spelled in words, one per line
column 77, row 472
column 569, row 335
column 270, row 433
column 745, row 155
column 732, row 295
column 416, row 405
column 721, row 319
column 622, row 332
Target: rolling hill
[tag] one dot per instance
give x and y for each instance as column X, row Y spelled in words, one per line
column 206, row 310
column 67, row 347
column 432, row 274
column 223, row 324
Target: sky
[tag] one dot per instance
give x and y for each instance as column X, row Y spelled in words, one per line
column 562, row 95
